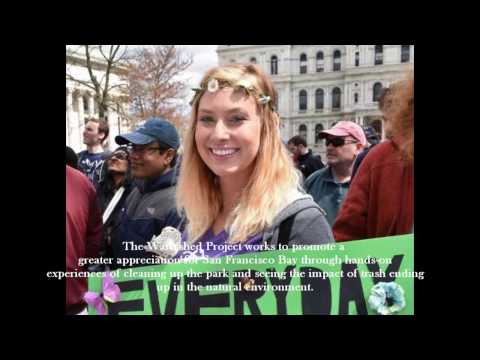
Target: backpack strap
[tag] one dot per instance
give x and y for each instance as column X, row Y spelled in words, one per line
column 287, row 224
column 112, row 204
column 285, row 230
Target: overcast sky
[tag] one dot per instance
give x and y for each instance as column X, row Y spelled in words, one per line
column 204, row 58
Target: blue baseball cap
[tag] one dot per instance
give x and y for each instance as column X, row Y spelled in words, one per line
column 154, row 129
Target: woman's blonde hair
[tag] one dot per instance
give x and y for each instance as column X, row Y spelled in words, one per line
column 272, row 180
column 400, row 113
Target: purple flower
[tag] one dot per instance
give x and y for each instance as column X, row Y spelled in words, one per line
column 110, row 293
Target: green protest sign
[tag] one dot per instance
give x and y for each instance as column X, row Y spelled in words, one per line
column 334, row 280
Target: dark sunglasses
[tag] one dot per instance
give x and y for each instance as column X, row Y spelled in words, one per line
column 338, row 141
column 120, row 156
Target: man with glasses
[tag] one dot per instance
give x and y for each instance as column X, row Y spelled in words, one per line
column 329, row 185
column 151, row 205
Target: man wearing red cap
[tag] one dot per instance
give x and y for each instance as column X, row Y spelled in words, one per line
column 329, row 185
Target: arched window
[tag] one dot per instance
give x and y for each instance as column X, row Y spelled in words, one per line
column 303, row 64
column 319, row 99
column 355, row 98
column 318, row 130
column 274, row 65
column 405, row 53
column 337, row 60
column 377, row 91
column 336, row 97
column 302, row 100
column 378, row 54
column 253, row 60
column 302, row 131
column 320, row 61
column 357, row 58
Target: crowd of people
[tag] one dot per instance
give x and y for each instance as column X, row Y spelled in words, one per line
column 236, row 181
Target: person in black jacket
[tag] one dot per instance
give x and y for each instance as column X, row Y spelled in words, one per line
column 71, row 158
column 306, row 162
column 116, row 177
column 373, row 139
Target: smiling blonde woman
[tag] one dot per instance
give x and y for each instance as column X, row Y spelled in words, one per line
column 237, row 182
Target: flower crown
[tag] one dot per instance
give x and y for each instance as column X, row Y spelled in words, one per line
column 213, row 85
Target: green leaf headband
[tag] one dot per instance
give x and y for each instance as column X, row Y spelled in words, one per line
column 214, row 85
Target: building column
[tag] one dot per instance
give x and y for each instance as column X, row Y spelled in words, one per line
column 262, row 62
column 311, row 134
column 91, row 106
column 371, row 55
column 312, row 64
column 342, row 98
column 113, row 129
column 366, row 60
column 348, row 56
column 69, row 116
column 81, row 117
column 364, row 95
column 312, row 106
column 327, row 105
column 346, row 97
column 74, row 138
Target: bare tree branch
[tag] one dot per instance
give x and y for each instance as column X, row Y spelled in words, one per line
column 118, row 86
column 103, row 87
column 90, row 71
column 103, row 54
column 153, row 83
column 84, row 83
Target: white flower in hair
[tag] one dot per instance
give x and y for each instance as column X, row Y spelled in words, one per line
column 167, row 244
column 244, row 83
column 264, row 99
column 213, row 85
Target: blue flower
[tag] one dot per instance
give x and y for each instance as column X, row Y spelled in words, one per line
column 383, row 291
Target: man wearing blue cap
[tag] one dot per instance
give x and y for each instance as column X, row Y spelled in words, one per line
column 151, row 205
